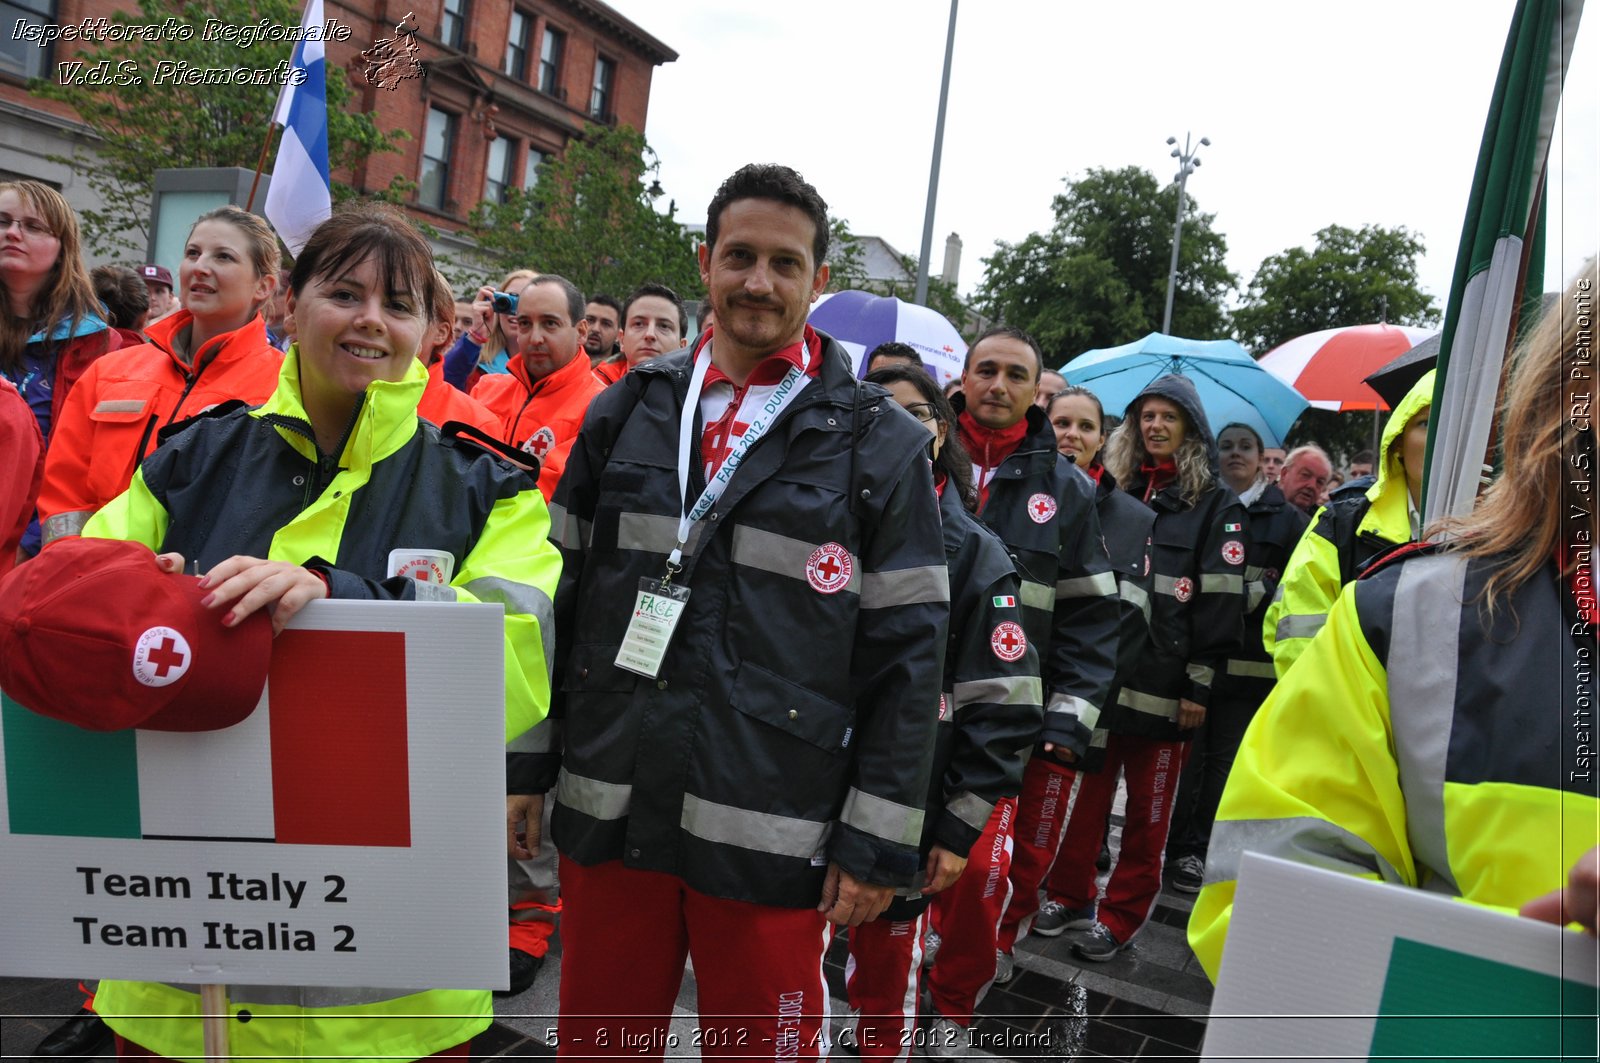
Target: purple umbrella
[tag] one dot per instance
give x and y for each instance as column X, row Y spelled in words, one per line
column 860, row 321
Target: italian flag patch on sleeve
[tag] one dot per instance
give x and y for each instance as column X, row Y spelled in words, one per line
column 1005, row 601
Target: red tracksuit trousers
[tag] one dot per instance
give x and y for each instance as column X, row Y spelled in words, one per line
column 882, row 978
column 1152, row 768
column 625, row 935
column 967, row 916
column 1042, row 811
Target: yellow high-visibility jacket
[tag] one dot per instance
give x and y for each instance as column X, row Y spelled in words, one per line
column 1344, row 536
column 1459, row 771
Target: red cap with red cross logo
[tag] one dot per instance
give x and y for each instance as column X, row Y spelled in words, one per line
column 93, row 633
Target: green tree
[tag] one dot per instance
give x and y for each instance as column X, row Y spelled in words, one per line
column 592, row 219
column 1098, row 277
column 142, row 127
column 1351, row 277
column 847, row 263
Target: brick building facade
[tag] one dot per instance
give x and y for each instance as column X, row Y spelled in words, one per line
column 505, row 84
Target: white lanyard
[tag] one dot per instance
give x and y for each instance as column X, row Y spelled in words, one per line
column 787, row 391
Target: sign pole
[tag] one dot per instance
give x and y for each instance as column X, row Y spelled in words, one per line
column 214, row 1014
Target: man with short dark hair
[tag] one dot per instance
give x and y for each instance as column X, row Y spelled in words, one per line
column 654, row 322
column 893, row 353
column 1360, row 465
column 1272, row 463
column 748, row 763
column 158, row 282
column 604, row 317
column 543, row 394
column 1042, row 508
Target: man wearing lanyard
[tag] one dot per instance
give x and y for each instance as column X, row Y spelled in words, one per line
column 750, row 631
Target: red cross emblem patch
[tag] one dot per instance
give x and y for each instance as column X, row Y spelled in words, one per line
column 829, row 568
column 1233, row 552
column 1008, row 641
column 1041, row 507
column 160, row 657
column 539, row 443
column 1183, row 589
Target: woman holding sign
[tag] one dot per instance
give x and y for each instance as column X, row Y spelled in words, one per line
column 307, row 497
column 1431, row 734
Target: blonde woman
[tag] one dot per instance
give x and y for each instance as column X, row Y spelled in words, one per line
column 1427, row 737
column 488, row 345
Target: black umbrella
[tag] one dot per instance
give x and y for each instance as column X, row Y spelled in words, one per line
column 1401, row 375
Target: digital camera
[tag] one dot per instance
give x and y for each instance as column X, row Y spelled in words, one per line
column 504, row 302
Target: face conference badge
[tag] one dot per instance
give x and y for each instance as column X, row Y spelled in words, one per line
column 1041, row 508
column 829, row 568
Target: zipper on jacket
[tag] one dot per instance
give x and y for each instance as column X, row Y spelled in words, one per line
column 326, row 466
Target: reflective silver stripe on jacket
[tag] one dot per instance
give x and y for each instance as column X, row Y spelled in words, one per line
column 303, row 996
column 781, row 555
column 904, row 586
column 522, row 599
column 63, row 524
column 1300, row 625
column 1221, row 583
column 970, row 809
column 595, row 799
column 1076, row 707
column 1254, row 572
column 1304, row 839
column 652, row 533
column 882, row 818
column 1254, row 591
column 1037, row 595
column 567, row 530
column 1422, row 700
column 540, row 738
column 1000, row 690
column 1252, row 669
column 1148, row 703
column 1099, row 585
column 1164, row 585
column 1200, row 675
column 761, row 831
column 1136, row 596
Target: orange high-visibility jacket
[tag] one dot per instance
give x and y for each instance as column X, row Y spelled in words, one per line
column 541, row 417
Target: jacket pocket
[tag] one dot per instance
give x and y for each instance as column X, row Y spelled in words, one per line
column 119, row 417
column 792, row 709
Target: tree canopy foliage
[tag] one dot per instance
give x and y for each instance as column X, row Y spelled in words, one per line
column 1351, row 277
column 1098, row 277
column 143, row 126
column 592, row 219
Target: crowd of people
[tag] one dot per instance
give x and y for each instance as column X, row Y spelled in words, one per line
column 919, row 637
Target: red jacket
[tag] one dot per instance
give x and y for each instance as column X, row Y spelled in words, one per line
column 442, row 403
column 541, row 416
column 112, row 417
column 20, row 472
column 609, row 372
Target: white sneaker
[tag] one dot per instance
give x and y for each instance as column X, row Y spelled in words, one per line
column 930, row 947
column 947, row 1040
column 1005, row 967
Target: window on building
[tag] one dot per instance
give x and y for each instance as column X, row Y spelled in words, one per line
column 530, row 168
column 550, row 50
column 497, row 176
column 605, row 75
column 19, row 56
column 437, row 145
column 453, row 23
column 517, row 44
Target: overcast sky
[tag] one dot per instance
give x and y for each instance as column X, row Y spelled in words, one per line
column 1357, row 112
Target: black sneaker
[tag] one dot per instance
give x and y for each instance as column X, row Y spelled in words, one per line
column 1098, row 945
column 1189, row 874
column 80, row 1037
column 524, row 969
column 1054, row 918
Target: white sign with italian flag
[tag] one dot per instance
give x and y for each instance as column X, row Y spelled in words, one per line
column 350, row 831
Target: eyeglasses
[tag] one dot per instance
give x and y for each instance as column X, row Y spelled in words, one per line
column 920, row 410
column 30, row 226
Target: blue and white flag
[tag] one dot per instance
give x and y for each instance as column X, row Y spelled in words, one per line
column 301, row 194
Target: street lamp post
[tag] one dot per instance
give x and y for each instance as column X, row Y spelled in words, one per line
column 1188, row 162
column 933, row 171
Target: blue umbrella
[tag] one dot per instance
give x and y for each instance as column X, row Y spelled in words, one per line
column 860, row 321
column 1232, row 386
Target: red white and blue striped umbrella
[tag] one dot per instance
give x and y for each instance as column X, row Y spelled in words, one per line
column 1330, row 368
column 860, row 321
